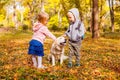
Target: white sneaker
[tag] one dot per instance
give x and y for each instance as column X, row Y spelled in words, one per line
column 42, row 67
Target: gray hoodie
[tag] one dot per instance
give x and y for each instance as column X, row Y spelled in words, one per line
column 72, row 32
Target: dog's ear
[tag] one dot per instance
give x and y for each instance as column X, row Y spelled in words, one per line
column 65, row 36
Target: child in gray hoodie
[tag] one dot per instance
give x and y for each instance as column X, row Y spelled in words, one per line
column 75, row 34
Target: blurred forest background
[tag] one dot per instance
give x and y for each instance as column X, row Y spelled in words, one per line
column 100, row 51
column 97, row 15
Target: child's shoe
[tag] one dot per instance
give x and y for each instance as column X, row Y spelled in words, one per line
column 69, row 65
column 77, row 64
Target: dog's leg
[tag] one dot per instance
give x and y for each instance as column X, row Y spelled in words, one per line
column 61, row 59
column 53, row 60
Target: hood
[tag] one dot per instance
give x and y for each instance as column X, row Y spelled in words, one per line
column 75, row 12
column 37, row 26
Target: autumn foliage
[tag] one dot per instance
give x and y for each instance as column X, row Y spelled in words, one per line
column 100, row 59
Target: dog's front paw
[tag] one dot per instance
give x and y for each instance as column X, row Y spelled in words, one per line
column 53, row 64
column 42, row 67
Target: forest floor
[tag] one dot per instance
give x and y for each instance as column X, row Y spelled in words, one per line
column 100, row 59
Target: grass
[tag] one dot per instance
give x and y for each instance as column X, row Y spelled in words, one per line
column 100, row 59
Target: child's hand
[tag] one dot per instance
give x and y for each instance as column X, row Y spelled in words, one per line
column 64, row 35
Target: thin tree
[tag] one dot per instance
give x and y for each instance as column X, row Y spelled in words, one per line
column 35, row 7
column 64, row 6
column 111, row 14
column 42, row 6
column 95, row 31
column 101, row 16
column 59, row 16
column 90, row 29
column 15, row 15
column 77, row 4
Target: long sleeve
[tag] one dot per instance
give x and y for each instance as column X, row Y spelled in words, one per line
column 41, row 32
column 82, row 30
column 36, row 26
column 49, row 34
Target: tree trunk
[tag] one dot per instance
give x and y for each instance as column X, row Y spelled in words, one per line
column 7, row 15
column 95, row 32
column 31, row 13
column 90, row 28
column 101, row 16
column 111, row 14
column 59, row 17
column 21, row 13
column 77, row 3
column 14, row 16
column 42, row 6
column 64, row 7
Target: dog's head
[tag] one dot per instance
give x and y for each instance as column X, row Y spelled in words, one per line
column 61, row 40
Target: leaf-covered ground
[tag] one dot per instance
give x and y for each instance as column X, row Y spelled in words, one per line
column 100, row 59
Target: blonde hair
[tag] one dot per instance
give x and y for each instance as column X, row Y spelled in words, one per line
column 42, row 16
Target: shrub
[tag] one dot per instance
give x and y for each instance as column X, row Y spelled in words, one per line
column 1, row 25
column 25, row 27
column 54, row 23
column 112, row 35
column 55, row 28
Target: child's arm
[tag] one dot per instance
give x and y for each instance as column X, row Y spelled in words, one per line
column 49, row 34
column 82, row 30
column 66, row 34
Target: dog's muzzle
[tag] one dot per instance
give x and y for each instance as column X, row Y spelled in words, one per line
column 63, row 43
